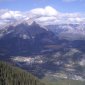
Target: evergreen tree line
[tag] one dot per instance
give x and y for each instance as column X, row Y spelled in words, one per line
column 10, row 75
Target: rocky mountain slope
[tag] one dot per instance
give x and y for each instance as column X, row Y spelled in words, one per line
column 36, row 40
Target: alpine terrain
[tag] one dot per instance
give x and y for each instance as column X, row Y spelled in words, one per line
column 47, row 43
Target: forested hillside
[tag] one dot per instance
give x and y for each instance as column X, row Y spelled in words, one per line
column 10, row 75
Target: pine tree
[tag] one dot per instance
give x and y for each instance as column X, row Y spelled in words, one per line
column 10, row 75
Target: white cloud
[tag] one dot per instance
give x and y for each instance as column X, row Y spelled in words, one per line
column 44, row 16
column 49, row 14
column 48, row 10
column 51, row 11
column 10, row 14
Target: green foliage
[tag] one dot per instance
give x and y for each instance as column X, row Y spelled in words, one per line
column 10, row 75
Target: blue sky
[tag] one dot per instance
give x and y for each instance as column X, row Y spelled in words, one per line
column 60, row 5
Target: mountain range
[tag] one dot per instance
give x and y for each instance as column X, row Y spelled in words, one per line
column 45, row 42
